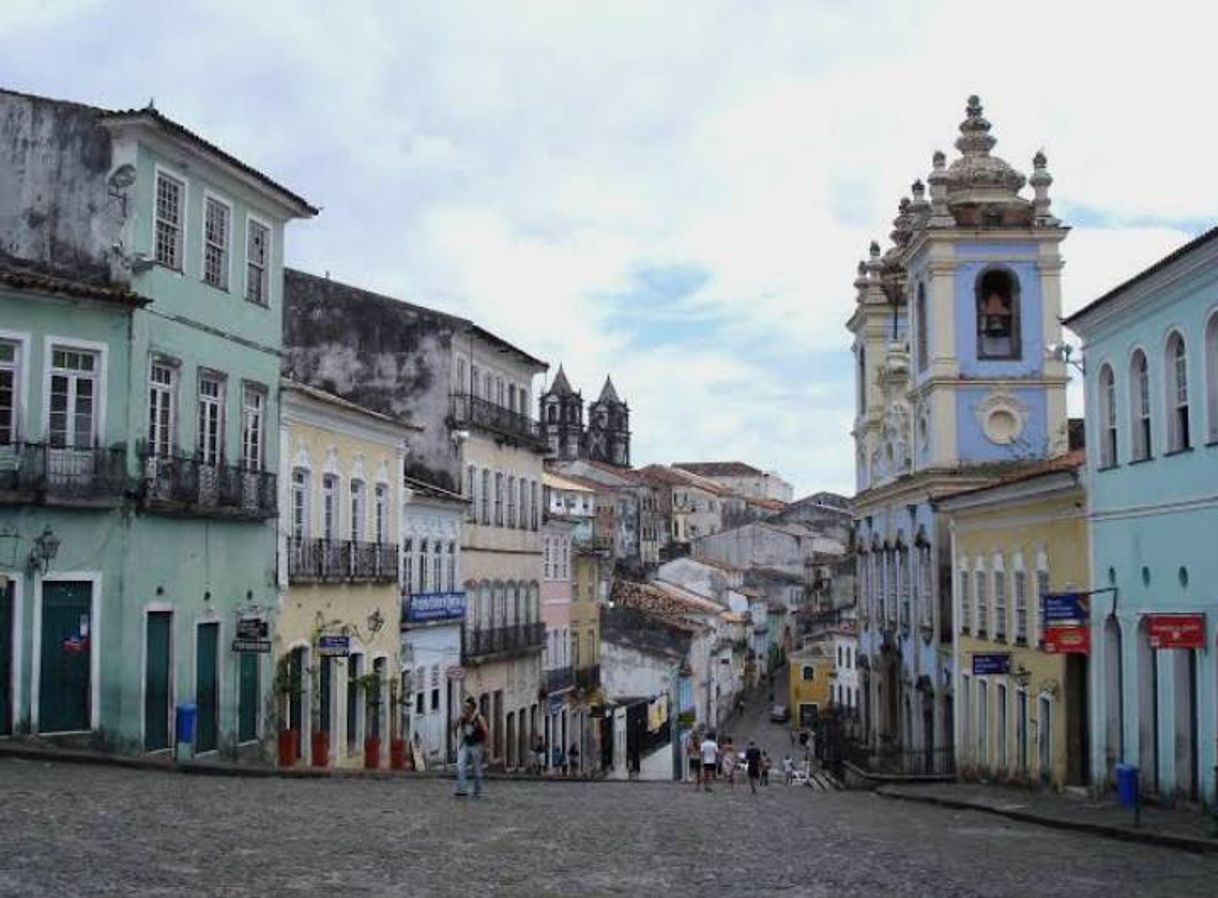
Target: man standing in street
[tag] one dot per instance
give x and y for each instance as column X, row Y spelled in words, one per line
column 710, row 757
column 471, row 731
column 752, row 758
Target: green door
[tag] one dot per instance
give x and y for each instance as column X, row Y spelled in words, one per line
column 207, row 687
column 327, row 679
column 6, row 659
column 64, row 671
column 156, row 681
column 247, row 721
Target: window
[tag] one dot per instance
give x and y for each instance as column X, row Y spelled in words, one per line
column 329, row 507
column 253, row 424
column 462, row 376
column 860, row 379
column 997, row 296
column 381, row 514
column 170, row 195
column 1000, row 600
column 485, row 495
column 452, row 565
column 424, row 578
column 471, row 486
column 511, row 501
column 210, row 436
column 521, row 521
column 966, row 604
column 1139, row 387
column 73, row 406
column 498, row 499
column 533, row 502
column 1177, row 394
column 9, row 361
column 357, row 511
column 807, row 673
column 1108, row 431
column 1042, row 586
column 300, row 504
column 547, row 552
column 1211, row 374
column 408, row 565
column 920, row 323
column 903, row 583
column 216, row 226
column 437, row 566
column 473, row 380
column 257, row 262
column 927, row 589
column 162, row 386
column 983, row 609
column 1021, row 605
column 566, row 560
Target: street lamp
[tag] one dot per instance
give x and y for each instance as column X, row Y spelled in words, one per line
column 46, row 547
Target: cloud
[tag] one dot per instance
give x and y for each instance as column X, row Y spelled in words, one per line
column 677, row 193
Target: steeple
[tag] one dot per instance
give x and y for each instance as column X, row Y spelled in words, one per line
column 561, row 386
column 608, row 393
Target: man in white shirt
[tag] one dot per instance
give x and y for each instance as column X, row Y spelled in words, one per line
column 710, row 758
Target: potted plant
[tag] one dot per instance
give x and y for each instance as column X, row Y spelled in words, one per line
column 371, row 684
column 287, row 688
column 399, row 758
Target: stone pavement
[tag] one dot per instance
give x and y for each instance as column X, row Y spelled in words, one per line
column 1187, row 829
column 82, row 830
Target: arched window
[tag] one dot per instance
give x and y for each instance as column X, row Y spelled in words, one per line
column 1211, row 374
column 1139, row 405
column 462, row 385
column 861, row 380
column 920, row 324
column 1108, row 430
column 997, row 296
column 473, row 380
column 1177, row 394
column 552, row 413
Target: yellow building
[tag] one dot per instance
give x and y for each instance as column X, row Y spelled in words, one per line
column 809, row 681
column 1021, row 711
column 337, row 633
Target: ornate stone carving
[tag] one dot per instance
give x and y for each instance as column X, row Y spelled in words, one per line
column 1002, row 416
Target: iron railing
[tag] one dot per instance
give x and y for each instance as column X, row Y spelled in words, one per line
column 184, row 485
column 559, row 678
column 336, row 560
column 40, row 472
column 588, row 677
column 894, row 761
column 484, row 643
column 469, row 410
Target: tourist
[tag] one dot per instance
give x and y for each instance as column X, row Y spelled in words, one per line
column 765, row 768
column 539, row 753
column 788, row 770
column 752, row 759
column 727, row 758
column 710, row 758
column 693, row 751
column 472, row 731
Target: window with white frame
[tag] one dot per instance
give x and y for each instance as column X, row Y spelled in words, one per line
column 966, row 602
column 381, row 514
column 170, row 205
column 983, row 605
column 10, row 361
column 471, row 493
column 424, row 574
column 521, row 521
column 300, row 504
column 565, row 571
column 927, row 575
column 1000, row 599
column 1178, row 437
column 533, row 506
column 217, row 223
column 486, row 497
column 473, row 380
column 1020, row 581
column 209, row 442
column 1108, row 427
column 1211, row 374
column 162, row 399
column 257, row 262
column 511, row 501
column 329, row 507
column 452, row 565
column 547, row 545
column 408, row 564
column 253, row 426
column 437, row 565
column 498, row 498
column 1042, row 588
column 903, row 581
column 74, row 396
column 358, row 510
column 1139, row 388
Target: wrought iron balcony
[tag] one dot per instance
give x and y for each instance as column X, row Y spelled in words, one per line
column 473, row 411
column 181, row 485
column 334, row 561
column 559, row 678
column 40, row 473
column 588, row 677
column 485, row 644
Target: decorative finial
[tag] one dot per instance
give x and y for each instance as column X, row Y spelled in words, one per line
column 919, row 189
column 875, row 250
column 862, row 267
column 903, row 205
column 973, row 110
column 1039, row 161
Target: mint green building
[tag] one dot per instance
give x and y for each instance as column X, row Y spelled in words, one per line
column 140, row 332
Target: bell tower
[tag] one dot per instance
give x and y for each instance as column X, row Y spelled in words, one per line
column 609, row 428
column 562, row 418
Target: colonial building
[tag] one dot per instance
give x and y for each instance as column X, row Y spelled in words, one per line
column 955, row 387
column 1151, row 348
column 742, row 479
column 605, row 438
column 336, row 643
column 139, row 366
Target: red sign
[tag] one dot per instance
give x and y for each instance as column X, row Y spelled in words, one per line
column 1176, row 631
column 1067, row 638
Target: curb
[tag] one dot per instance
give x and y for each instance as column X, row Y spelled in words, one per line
column 1196, row 845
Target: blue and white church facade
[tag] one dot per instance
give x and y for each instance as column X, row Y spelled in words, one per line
column 956, row 387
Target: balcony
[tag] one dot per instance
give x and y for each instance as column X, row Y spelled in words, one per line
column 341, row 561
column 588, row 677
column 184, row 486
column 473, row 411
column 558, row 679
column 490, row 643
column 37, row 473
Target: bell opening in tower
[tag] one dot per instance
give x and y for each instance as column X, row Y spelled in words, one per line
column 997, row 315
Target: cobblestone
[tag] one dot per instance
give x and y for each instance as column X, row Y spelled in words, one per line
column 77, row 830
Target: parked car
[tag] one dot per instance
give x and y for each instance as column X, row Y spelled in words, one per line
column 779, row 714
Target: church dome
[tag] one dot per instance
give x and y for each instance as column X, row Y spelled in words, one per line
column 977, row 177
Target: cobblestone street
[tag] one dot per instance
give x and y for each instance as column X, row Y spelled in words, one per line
column 75, row 830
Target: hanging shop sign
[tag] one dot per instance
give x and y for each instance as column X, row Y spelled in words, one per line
column 455, row 672
column 252, row 628
column 991, row 663
column 333, row 645
column 1065, row 638
column 433, row 606
column 1176, row 631
column 1065, row 607
column 252, row 646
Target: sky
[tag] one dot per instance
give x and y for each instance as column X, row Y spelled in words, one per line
column 675, row 193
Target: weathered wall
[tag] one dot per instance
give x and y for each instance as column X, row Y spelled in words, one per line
column 379, row 352
column 54, row 208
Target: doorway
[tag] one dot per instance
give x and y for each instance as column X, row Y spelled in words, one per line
column 1044, row 738
column 6, row 659
column 1148, row 710
column 1077, row 715
column 207, row 692
column 325, row 704
column 296, row 679
column 65, row 687
column 158, row 700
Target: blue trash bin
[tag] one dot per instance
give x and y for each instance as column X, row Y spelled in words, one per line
column 1127, row 784
column 187, row 712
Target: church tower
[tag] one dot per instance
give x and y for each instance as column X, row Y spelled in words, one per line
column 609, row 428
column 562, row 418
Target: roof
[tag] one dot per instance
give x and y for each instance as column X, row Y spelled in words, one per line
column 585, row 483
column 504, row 346
column 659, row 475
column 555, row 482
column 710, row 562
column 1170, row 258
column 775, row 573
column 719, row 468
column 431, row 491
column 669, row 603
column 332, row 399
column 151, row 115
column 561, row 386
column 23, row 276
column 769, row 504
column 702, row 483
column 1070, row 461
column 608, row 393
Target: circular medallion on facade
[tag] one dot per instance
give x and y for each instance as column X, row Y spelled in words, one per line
column 1002, row 417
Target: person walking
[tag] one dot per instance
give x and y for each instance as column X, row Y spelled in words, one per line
column 573, row 758
column 471, row 731
column 788, row 770
column 752, row 760
column 693, row 745
column 727, row 758
column 710, row 757
column 765, row 768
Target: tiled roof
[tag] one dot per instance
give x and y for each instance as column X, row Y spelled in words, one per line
column 768, row 504
column 431, row 491
column 670, row 604
column 556, row 482
column 1069, row 461
column 719, row 468
column 24, row 277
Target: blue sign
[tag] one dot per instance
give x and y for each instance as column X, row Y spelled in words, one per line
column 333, row 645
column 1065, row 607
column 433, row 606
column 989, row 663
